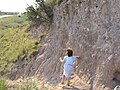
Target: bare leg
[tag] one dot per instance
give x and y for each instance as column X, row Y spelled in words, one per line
column 68, row 81
column 63, row 78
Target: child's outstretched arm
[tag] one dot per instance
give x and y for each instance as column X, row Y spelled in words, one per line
column 78, row 57
column 61, row 60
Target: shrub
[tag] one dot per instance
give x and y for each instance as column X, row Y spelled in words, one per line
column 28, row 84
column 31, row 83
column 42, row 12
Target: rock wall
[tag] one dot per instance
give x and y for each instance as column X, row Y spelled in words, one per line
column 92, row 29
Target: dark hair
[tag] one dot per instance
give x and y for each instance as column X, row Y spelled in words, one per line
column 69, row 52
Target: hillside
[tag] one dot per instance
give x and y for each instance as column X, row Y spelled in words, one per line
column 92, row 29
column 14, row 42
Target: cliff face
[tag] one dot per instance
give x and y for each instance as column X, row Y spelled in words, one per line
column 92, row 29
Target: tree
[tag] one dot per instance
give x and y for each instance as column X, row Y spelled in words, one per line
column 42, row 12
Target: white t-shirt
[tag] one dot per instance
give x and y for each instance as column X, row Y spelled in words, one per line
column 69, row 60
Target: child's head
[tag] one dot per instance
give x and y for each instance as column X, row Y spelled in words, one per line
column 69, row 52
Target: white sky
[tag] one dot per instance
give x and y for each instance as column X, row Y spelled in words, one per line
column 15, row 5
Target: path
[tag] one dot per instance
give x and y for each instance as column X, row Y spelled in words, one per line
column 5, row 16
column 76, row 84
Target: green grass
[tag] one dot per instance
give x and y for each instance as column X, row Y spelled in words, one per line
column 31, row 83
column 13, row 22
column 14, row 41
column 2, row 84
column 28, row 84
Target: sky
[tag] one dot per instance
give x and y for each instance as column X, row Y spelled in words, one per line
column 14, row 5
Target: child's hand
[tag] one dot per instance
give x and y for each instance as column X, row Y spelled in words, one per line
column 78, row 57
column 61, row 59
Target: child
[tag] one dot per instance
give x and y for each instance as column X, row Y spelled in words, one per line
column 68, row 61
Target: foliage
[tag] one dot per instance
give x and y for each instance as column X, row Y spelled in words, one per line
column 52, row 3
column 28, row 84
column 2, row 84
column 31, row 13
column 14, row 42
column 42, row 12
column 31, row 83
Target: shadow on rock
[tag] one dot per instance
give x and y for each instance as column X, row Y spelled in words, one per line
column 71, row 88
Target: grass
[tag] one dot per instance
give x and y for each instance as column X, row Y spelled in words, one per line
column 31, row 83
column 27, row 84
column 13, row 22
column 14, row 41
column 2, row 84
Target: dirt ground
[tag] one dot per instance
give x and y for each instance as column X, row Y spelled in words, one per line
column 75, row 84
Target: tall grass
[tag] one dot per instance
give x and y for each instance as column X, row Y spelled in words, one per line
column 27, row 85
column 31, row 83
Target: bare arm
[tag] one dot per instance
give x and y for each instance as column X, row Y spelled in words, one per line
column 61, row 60
column 78, row 57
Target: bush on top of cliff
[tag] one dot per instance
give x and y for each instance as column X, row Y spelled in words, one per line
column 42, row 12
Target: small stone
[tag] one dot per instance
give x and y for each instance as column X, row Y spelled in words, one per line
column 93, row 55
column 110, row 57
column 88, row 82
column 103, row 86
column 88, row 29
